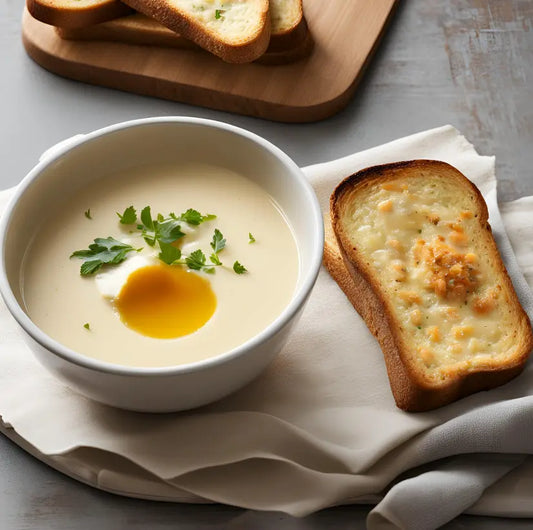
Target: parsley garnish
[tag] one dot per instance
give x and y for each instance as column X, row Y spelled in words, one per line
column 163, row 230
column 197, row 261
column 214, row 259
column 238, row 268
column 87, row 326
column 193, row 217
column 169, row 253
column 168, row 231
column 129, row 216
column 218, row 13
column 251, row 238
column 101, row 252
column 87, row 213
column 218, row 242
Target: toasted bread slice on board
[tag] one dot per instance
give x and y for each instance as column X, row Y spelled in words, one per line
column 411, row 247
column 142, row 30
column 237, row 31
column 76, row 13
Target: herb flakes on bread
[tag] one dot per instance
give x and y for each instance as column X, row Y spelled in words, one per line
column 412, row 249
column 237, row 31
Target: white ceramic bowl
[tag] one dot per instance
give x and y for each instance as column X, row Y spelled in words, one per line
column 75, row 162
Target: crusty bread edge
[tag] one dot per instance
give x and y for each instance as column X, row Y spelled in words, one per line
column 292, row 37
column 244, row 52
column 107, row 31
column 411, row 392
column 76, row 17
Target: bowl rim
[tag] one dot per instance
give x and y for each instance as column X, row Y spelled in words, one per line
column 306, row 281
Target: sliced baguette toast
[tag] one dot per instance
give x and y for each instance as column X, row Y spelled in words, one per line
column 237, row 31
column 411, row 247
column 76, row 13
column 289, row 39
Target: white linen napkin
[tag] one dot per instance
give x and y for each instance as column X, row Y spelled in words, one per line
column 320, row 426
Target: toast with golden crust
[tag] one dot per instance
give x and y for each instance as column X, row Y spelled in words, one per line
column 76, row 13
column 237, row 31
column 411, row 247
column 289, row 40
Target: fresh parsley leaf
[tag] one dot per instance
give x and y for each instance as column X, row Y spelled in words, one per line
column 147, row 227
column 129, row 216
column 214, row 259
column 251, row 238
column 193, row 217
column 103, row 251
column 168, row 231
column 164, row 230
column 169, row 253
column 196, row 260
column 87, row 326
column 146, row 218
column 218, row 242
column 238, row 268
column 90, row 267
column 87, row 213
column 218, row 13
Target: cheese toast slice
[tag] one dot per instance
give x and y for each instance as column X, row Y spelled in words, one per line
column 76, row 13
column 289, row 40
column 412, row 249
column 237, row 31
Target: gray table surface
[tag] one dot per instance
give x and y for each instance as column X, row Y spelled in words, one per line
column 468, row 63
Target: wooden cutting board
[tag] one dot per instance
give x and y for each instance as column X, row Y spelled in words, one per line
column 345, row 34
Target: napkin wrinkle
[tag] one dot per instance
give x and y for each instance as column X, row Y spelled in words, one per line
column 521, row 237
column 219, row 483
column 465, row 434
column 506, row 250
column 277, row 484
column 266, row 436
column 453, row 485
column 264, row 430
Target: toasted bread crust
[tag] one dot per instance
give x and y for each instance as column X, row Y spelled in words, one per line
column 291, row 37
column 411, row 390
column 141, row 30
column 76, row 17
column 133, row 29
column 250, row 48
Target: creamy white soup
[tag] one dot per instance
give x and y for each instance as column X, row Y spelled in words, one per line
column 142, row 311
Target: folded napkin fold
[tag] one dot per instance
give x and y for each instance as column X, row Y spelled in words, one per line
column 319, row 427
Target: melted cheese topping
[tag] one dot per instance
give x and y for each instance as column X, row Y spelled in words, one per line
column 233, row 20
column 422, row 247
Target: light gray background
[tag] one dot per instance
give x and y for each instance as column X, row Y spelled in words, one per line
column 468, row 63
